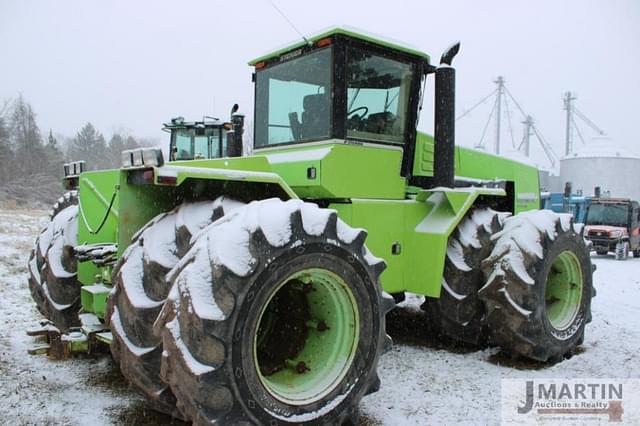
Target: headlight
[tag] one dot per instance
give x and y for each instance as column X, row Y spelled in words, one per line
column 152, row 157
column 616, row 233
column 74, row 168
column 142, row 157
column 127, row 159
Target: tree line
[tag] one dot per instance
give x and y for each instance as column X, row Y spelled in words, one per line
column 31, row 164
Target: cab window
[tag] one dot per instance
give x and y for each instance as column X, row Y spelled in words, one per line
column 201, row 147
column 293, row 100
column 183, row 150
column 378, row 92
column 190, row 144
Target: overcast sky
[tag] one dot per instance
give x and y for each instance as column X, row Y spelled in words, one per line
column 131, row 65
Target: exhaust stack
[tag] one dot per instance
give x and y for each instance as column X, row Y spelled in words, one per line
column 234, row 136
column 445, row 122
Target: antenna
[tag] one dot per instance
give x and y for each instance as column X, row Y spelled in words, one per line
column 290, row 23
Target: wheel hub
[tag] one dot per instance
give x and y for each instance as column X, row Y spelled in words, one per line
column 307, row 336
column 563, row 295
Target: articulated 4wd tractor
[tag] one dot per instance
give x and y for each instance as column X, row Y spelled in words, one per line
column 253, row 290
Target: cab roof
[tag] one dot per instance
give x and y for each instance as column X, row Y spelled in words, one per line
column 348, row 32
column 179, row 123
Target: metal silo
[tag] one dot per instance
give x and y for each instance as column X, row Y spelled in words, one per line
column 601, row 163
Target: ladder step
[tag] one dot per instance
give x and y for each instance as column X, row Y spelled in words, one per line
column 42, row 349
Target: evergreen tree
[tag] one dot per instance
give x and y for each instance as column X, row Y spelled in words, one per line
column 54, row 155
column 131, row 143
column 29, row 152
column 89, row 145
column 6, row 151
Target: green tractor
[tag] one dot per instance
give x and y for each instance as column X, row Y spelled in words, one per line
column 199, row 140
column 253, row 290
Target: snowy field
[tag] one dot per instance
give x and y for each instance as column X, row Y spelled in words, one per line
column 423, row 381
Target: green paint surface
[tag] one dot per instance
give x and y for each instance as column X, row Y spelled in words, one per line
column 346, row 32
column 563, row 293
column 96, row 191
column 362, row 182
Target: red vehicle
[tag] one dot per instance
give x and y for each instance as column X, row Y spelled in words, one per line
column 613, row 225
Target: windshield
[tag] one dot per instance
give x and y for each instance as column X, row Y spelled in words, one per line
column 377, row 96
column 293, row 101
column 608, row 214
column 190, row 144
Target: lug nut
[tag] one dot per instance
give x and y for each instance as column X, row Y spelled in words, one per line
column 299, row 367
column 318, row 325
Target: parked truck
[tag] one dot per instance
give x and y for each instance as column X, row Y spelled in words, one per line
column 613, row 225
column 253, row 290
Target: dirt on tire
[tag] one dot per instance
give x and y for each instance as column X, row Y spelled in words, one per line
column 213, row 313
column 141, row 290
column 458, row 313
column 517, row 276
column 52, row 266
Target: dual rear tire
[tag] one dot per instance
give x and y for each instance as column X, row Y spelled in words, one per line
column 272, row 314
column 53, row 281
column 526, row 288
column 539, row 287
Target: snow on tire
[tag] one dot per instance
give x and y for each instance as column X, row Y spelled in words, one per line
column 458, row 313
column 52, row 267
column 140, row 289
column 538, row 287
column 275, row 316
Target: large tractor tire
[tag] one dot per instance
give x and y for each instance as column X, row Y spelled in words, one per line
column 458, row 313
column 140, row 290
column 539, row 287
column 275, row 316
column 53, row 268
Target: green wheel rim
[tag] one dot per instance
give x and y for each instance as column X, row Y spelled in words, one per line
column 329, row 336
column 563, row 295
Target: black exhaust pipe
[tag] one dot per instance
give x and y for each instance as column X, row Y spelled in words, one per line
column 234, row 136
column 445, row 121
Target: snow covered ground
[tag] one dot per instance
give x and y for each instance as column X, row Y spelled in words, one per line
column 423, row 381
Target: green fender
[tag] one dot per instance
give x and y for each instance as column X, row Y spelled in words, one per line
column 447, row 208
column 172, row 184
column 411, row 235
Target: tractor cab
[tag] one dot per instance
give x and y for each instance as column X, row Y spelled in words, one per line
column 196, row 140
column 339, row 86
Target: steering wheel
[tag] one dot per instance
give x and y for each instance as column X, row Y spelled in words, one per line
column 361, row 116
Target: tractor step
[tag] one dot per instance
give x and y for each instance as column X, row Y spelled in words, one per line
column 89, row 338
column 105, row 337
column 41, row 349
column 42, row 329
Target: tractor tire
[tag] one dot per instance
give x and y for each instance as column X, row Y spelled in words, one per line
column 538, row 287
column 458, row 314
column 53, row 279
column 140, row 290
column 622, row 250
column 275, row 316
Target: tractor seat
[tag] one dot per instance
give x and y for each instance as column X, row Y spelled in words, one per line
column 315, row 116
column 381, row 123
